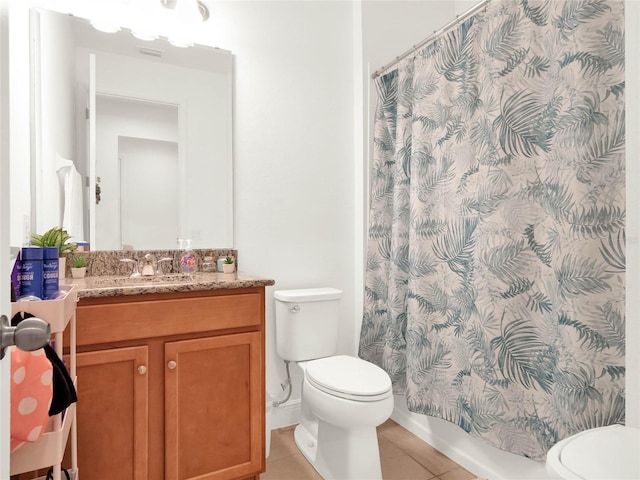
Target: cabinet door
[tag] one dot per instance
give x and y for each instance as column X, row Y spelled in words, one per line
column 112, row 414
column 214, row 407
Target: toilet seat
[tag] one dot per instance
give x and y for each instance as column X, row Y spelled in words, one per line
column 349, row 377
column 606, row 452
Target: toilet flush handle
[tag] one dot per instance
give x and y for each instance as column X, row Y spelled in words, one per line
column 295, row 308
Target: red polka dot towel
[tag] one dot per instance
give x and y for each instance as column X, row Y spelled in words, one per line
column 31, row 393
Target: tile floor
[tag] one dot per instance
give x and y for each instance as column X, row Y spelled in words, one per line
column 403, row 456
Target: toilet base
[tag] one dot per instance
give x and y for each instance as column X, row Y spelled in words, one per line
column 339, row 454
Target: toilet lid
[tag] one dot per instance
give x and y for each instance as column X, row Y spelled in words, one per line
column 307, row 295
column 349, row 377
column 606, row 452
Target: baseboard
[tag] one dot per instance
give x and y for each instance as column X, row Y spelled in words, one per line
column 286, row 414
column 427, row 435
column 476, row 456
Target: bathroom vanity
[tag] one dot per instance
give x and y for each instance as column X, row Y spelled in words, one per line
column 172, row 379
column 172, row 383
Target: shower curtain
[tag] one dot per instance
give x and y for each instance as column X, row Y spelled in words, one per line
column 495, row 286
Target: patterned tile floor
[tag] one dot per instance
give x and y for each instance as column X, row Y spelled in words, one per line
column 403, row 456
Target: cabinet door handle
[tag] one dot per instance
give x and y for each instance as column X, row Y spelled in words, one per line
column 142, row 370
column 172, row 364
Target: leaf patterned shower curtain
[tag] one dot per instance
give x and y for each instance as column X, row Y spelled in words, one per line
column 495, row 283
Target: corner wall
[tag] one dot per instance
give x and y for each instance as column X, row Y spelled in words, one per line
column 20, row 187
column 57, row 122
column 293, row 154
column 632, row 59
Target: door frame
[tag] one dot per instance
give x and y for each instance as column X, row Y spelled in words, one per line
column 5, row 307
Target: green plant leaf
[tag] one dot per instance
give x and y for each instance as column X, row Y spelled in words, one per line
column 54, row 237
column 522, row 126
column 507, row 261
column 505, row 39
column 587, row 335
column 457, row 244
column 597, row 221
column 579, row 276
column 537, row 15
column 577, row 12
column 573, row 389
column 519, row 352
column 613, row 252
column 454, row 59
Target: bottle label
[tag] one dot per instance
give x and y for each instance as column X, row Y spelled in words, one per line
column 188, row 263
column 30, row 276
column 50, row 278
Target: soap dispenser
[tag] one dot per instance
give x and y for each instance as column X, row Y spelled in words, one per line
column 148, row 268
column 188, row 261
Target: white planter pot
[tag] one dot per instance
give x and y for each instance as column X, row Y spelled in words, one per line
column 228, row 267
column 78, row 272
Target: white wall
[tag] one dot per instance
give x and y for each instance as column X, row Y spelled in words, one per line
column 58, row 125
column 20, row 195
column 632, row 59
column 293, row 149
column 149, row 196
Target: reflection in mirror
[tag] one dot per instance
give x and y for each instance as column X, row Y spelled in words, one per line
column 141, row 199
column 142, row 137
column 147, row 128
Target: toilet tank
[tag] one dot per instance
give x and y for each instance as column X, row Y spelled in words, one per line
column 307, row 323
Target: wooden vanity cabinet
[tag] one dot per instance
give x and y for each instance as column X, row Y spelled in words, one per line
column 172, row 386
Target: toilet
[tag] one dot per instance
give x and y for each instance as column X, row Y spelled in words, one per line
column 611, row 453
column 343, row 398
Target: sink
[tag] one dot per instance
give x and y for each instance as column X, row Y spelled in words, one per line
column 116, row 281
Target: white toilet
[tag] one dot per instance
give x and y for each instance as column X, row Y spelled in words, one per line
column 605, row 453
column 344, row 398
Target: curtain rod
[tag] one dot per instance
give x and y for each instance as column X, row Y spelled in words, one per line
column 436, row 33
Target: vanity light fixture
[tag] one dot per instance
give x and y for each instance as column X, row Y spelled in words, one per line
column 105, row 27
column 146, row 15
column 146, row 19
column 143, row 34
column 107, row 20
column 187, row 15
column 192, row 9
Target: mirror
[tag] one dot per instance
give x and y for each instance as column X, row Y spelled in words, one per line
column 131, row 140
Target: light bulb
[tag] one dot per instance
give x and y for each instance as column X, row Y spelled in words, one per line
column 106, row 18
column 187, row 12
column 144, row 33
column 104, row 26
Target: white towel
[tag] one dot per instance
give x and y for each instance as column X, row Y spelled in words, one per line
column 72, row 216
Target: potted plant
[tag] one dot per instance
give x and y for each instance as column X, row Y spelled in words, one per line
column 79, row 269
column 228, row 265
column 55, row 237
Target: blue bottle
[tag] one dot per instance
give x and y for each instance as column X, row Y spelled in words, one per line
column 50, row 276
column 30, row 272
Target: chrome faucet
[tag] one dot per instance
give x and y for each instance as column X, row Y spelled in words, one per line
column 136, row 272
column 148, row 265
column 160, row 262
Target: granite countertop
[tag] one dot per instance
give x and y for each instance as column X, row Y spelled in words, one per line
column 113, row 286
